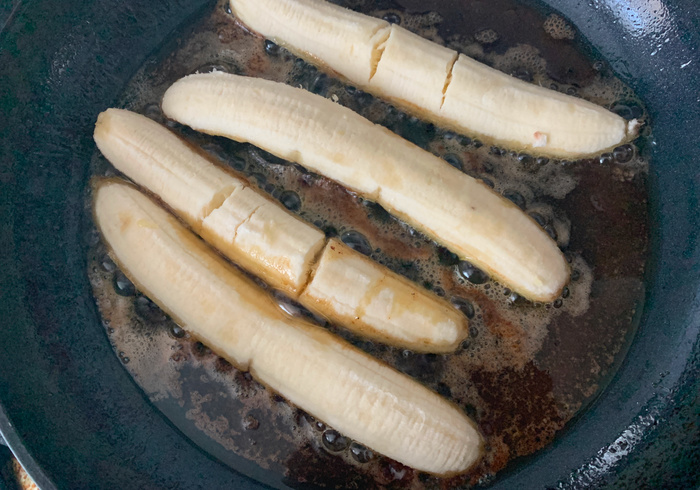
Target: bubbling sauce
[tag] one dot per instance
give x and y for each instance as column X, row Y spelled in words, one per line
column 525, row 369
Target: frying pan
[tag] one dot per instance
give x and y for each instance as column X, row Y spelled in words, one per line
column 75, row 418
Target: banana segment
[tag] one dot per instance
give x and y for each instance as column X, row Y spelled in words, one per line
column 361, row 397
column 413, row 71
column 339, row 38
column 452, row 208
column 258, row 235
column 516, row 112
column 264, row 238
column 377, row 301
column 419, row 76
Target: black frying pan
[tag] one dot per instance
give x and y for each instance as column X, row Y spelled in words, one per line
column 73, row 415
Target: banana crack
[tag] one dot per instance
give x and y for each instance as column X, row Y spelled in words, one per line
column 378, row 50
column 250, row 216
column 370, row 294
column 219, row 199
column 448, row 79
column 313, row 266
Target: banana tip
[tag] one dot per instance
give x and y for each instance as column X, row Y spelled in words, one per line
column 101, row 119
column 102, row 124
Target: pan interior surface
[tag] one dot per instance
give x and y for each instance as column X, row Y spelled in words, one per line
column 61, row 70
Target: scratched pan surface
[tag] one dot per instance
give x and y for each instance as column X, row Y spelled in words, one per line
column 72, row 413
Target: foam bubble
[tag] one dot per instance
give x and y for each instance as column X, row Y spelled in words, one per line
column 558, row 28
column 487, row 36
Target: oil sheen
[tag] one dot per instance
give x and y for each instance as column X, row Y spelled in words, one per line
column 525, row 370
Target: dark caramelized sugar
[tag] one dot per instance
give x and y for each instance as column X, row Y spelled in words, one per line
column 524, row 371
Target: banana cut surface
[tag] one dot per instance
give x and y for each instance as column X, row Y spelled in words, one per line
column 264, row 238
column 358, row 395
column 447, row 205
column 423, row 78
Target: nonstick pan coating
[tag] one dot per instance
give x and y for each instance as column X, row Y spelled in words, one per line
column 74, row 416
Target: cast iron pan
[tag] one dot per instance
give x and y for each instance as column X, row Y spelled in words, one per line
column 73, row 415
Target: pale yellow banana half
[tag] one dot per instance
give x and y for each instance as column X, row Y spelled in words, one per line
column 432, row 82
column 261, row 236
column 449, row 206
column 353, row 392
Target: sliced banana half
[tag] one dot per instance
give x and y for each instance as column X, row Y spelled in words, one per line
column 358, row 395
column 435, row 82
column 447, row 205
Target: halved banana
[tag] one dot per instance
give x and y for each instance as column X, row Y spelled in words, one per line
column 520, row 114
column 264, row 238
column 454, row 209
column 419, row 76
column 361, row 397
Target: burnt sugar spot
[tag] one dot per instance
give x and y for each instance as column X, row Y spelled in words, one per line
column 257, row 65
column 513, row 337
